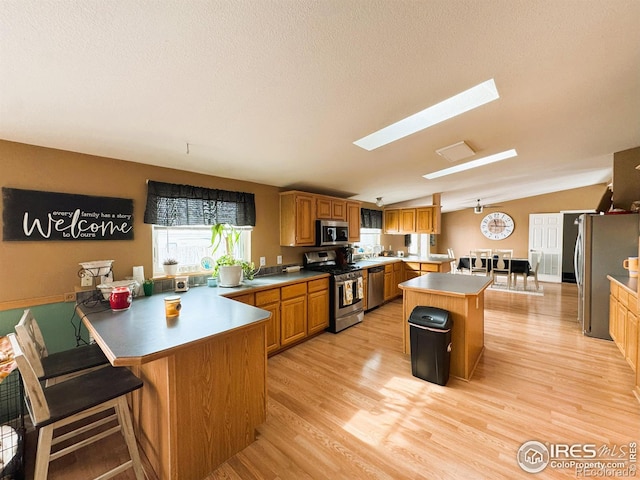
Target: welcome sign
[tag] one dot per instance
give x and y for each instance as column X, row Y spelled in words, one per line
column 31, row 215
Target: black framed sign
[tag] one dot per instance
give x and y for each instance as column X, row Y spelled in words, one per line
column 32, row 215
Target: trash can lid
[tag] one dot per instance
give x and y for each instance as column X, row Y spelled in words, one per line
column 430, row 317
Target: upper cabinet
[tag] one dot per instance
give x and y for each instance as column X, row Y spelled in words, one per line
column 412, row 220
column 297, row 219
column 300, row 210
column 328, row 208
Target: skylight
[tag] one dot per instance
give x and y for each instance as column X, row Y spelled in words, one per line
column 496, row 157
column 476, row 96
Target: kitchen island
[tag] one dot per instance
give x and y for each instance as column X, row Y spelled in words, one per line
column 204, row 376
column 463, row 297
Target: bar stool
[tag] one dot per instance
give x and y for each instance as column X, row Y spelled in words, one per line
column 60, row 366
column 68, row 402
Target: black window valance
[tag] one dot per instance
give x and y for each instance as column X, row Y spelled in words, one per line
column 171, row 205
column 370, row 218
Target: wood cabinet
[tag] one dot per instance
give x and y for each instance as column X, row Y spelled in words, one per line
column 353, row 218
column 270, row 300
column 318, row 305
column 398, row 273
column 389, row 287
column 623, row 322
column 293, row 313
column 297, row 219
column 328, row 208
column 365, row 286
column 412, row 220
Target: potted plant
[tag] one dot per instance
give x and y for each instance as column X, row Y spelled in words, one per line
column 229, row 270
column 147, row 286
column 170, row 266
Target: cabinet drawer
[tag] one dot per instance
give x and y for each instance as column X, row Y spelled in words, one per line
column 266, row 297
column 292, row 291
column 388, row 268
column 317, row 285
column 613, row 289
column 412, row 266
column 623, row 297
column 429, row 267
column 247, row 298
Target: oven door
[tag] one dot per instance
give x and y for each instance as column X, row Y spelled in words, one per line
column 349, row 296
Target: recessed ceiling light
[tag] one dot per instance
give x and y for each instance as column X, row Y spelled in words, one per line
column 496, row 157
column 456, row 152
column 462, row 102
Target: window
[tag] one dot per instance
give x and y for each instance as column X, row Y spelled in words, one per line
column 190, row 244
column 420, row 244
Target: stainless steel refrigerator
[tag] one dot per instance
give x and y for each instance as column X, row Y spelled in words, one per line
column 603, row 242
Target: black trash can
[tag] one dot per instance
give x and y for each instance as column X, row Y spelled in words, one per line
column 430, row 335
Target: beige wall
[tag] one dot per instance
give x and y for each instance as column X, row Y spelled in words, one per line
column 461, row 229
column 48, row 269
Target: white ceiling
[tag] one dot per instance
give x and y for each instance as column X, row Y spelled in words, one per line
column 276, row 91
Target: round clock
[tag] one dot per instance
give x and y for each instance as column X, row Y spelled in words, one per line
column 497, row 226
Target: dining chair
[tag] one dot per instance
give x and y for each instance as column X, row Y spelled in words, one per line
column 535, row 257
column 55, row 367
column 480, row 261
column 502, row 265
column 454, row 265
column 70, row 404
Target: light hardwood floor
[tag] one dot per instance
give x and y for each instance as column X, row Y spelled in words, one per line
column 346, row 406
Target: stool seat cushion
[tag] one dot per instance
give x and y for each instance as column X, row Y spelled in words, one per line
column 73, row 360
column 86, row 391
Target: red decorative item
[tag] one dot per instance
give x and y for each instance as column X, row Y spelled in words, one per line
column 120, row 298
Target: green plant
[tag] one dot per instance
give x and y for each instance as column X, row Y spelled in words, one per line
column 227, row 235
column 148, row 281
column 170, row 261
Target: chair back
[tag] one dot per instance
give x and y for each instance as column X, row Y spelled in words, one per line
column 34, row 395
column 535, row 256
column 503, row 261
column 32, row 341
column 476, row 263
column 450, row 253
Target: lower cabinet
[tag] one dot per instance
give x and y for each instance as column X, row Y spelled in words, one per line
column 623, row 323
column 270, row 300
column 317, row 305
column 389, row 287
column 293, row 313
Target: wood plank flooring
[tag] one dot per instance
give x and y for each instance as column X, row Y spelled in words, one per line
column 346, row 406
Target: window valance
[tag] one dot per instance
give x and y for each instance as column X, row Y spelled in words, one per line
column 370, row 218
column 171, row 205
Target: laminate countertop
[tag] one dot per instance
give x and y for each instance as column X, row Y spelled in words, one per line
column 143, row 333
column 448, row 284
column 627, row 282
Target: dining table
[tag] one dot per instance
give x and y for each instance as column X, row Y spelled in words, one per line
column 519, row 266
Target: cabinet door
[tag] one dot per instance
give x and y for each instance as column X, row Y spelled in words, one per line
column 339, row 210
column 613, row 314
column 353, row 218
column 305, row 223
column 392, row 221
column 408, row 220
column 389, row 287
column 270, row 300
column 621, row 326
column 397, row 278
column 424, row 220
column 323, row 208
column 293, row 320
column 631, row 350
column 318, row 311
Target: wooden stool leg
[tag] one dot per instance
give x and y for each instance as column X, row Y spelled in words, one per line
column 43, row 452
column 127, row 431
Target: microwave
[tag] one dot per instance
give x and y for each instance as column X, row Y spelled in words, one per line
column 331, row 232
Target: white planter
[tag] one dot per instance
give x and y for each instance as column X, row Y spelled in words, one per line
column 170, row 270
column 230, row 276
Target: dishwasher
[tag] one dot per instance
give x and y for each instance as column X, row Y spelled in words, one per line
column 375, row 289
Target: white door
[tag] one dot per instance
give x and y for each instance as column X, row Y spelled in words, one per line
column 545, row 233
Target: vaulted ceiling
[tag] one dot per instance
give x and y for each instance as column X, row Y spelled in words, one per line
column 277, row 91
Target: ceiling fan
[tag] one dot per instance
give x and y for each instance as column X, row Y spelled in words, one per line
column 478, row 208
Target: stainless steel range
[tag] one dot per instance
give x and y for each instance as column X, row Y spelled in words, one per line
column 346, row 288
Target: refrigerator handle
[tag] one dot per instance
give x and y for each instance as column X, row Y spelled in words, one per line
column 577, row 254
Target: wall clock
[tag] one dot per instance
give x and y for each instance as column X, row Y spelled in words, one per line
column 497, row 226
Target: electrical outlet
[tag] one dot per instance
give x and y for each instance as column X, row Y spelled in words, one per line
column 86, row 281
column 70, row 297
column 279, row 260
column 263, row 261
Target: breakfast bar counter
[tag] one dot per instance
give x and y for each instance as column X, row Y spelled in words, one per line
column 463, row 297
column 204, row 376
